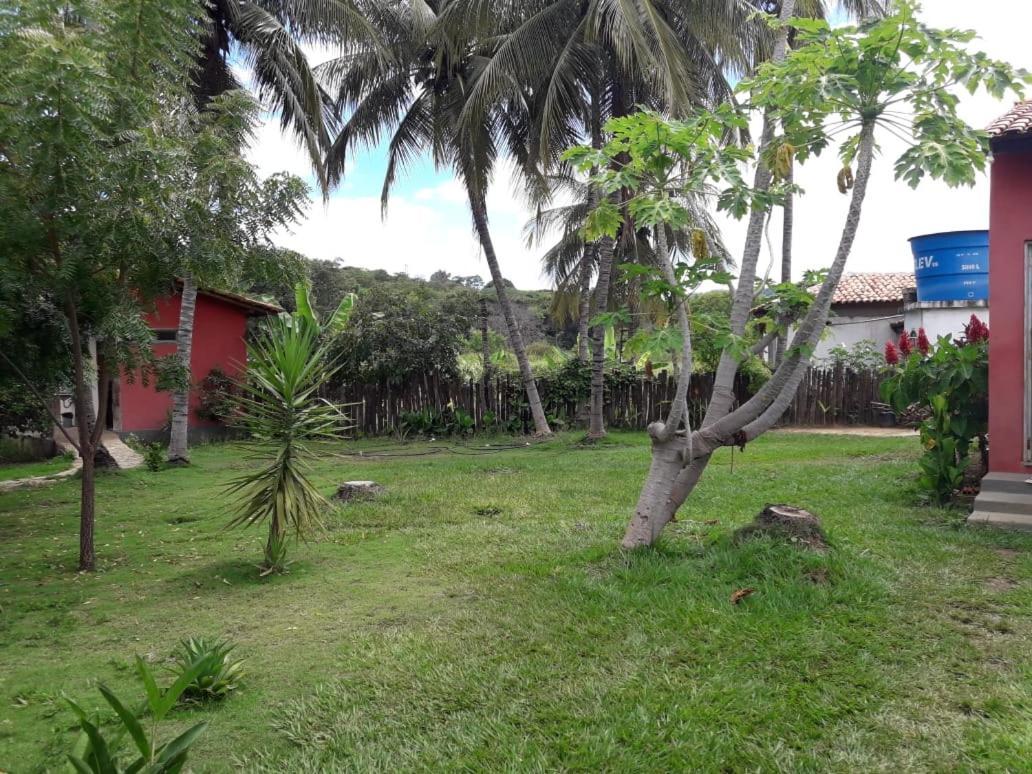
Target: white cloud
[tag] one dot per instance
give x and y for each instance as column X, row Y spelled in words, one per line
column 430, row 228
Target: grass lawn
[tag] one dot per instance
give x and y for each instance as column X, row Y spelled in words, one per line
column 480, row 617
column 11, row 471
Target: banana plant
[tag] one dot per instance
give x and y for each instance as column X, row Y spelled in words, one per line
column 337, row 321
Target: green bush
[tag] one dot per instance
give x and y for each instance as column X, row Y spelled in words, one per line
column 221, row 674
column 154, row 456
column 951, row 379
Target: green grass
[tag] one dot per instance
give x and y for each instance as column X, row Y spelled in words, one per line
column 480, row 617
column 10, row 471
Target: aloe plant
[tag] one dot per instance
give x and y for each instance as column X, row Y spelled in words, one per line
column 280, row 407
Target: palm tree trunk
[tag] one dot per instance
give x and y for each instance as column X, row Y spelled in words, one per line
column 178, row 446
column 584, row 303
column 485, row 350
column 596, row 418
column 479, row 208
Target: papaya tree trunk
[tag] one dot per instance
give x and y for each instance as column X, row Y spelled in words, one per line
column 762, row 411
column 479, row 208
column 178, row 446
column 788, row 215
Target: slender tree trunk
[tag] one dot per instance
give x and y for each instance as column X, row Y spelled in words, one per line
column 671, row 445
column 584, row 302
column 479, row 209
column 485, row 350
column 723, row 380
column 788, row 214
column 178, row 446
column 82, row 398
column 596, row 417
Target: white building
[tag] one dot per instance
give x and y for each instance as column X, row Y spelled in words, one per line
column 878, row 306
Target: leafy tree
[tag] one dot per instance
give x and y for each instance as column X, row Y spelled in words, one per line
column 96, row 186
column 392, row 337
column 892, row 74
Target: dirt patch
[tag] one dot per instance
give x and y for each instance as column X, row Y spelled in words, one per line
column 818, row 577
column 1007, row 553
column 1000, row 583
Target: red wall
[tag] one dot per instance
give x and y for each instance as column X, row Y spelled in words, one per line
column 218, row 341
column 1010, row 227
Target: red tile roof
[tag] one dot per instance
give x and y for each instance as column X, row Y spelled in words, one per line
column 1018, row 120
column 253, row 306
column 873, row 287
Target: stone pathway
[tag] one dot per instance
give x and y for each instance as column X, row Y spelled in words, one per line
column 124, row 457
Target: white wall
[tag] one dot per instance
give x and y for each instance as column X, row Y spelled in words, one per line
column 940, row 318
column 847, row 330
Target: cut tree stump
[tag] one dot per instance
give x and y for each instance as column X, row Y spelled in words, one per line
column 358, row 490
column 786, row 522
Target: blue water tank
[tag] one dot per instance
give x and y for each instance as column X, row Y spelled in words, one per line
column 952, row 266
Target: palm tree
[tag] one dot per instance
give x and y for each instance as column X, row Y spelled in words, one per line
column 589, row 60
column 415, row 97
column 269, row 34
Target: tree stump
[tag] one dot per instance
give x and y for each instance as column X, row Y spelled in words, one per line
column 358, row 490
column 786, row 522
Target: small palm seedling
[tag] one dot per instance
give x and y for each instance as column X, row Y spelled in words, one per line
column 280, row 408
column 221, row 675
column 98, row 751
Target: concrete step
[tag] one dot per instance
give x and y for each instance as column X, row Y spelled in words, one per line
column 1020, row 521
column 1004, row 502
column 1014, row 483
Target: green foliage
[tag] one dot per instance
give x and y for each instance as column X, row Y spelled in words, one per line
column 952, row 381
column 431, row 423
column 216, row 396
column 863, row 355
column 96, row 753
column 337, row 320
column 893, row 72
column 280, row 407
column 154, row 456
column 221, row 673
column 392, row 337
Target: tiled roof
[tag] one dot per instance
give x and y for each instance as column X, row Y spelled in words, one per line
column 873, row 287
column 1018, row 120
column 254, row 306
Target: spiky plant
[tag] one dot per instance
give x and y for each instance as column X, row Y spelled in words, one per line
column 280, row 408
column 220, row 675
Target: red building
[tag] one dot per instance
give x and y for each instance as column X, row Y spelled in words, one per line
column 1006, row 497
column 220, row 324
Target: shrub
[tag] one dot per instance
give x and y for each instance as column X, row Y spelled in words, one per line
column 951, row 380
column 220, row 675
column 217, row 396
column 154, row 457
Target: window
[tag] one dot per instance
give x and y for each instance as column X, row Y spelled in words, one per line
column 165, row 334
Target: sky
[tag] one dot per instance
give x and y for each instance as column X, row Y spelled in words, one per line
column 427, row 225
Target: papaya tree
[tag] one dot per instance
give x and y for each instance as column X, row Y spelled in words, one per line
column 841, row 87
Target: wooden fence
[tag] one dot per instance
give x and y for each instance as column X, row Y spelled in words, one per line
column 825, row 397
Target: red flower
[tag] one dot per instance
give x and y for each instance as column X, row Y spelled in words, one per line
column 891, row 353
column 923, row 345
column 976, row 331
column 904, row 344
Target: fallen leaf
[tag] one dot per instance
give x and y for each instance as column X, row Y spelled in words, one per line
column 741, row 594
column 711, row 522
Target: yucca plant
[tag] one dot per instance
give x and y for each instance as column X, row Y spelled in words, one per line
column 220, row 675
column 280, row 408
